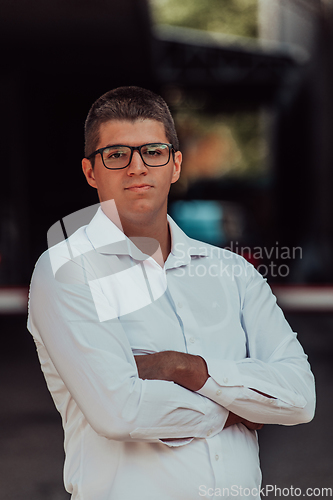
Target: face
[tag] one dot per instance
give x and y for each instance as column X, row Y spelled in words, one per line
column 140, row 192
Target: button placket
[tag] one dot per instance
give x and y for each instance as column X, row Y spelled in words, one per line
column 216, row 457
column 191, row 328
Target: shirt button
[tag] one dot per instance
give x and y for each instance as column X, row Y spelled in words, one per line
column 192, row 340
column 218, row 392
column 216, row 457
column 225, row 380
column 209, row 432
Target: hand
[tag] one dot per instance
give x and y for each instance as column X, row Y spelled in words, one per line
column 184, row 369
column 236, row 419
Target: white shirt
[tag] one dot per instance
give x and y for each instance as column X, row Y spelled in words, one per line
column 96, row 300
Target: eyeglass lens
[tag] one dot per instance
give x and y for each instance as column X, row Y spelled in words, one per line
column 154, row 155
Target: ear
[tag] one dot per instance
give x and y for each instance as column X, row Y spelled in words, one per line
column 89, row 172
column 176, row 166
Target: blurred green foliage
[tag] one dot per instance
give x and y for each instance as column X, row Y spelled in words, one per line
column 232, row 17
column 243, row 142
column 241, row 135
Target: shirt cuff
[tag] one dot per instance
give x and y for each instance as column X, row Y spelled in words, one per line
column 224, row 396
column 224, row 382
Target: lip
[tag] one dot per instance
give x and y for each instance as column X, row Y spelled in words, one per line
column 139, row 188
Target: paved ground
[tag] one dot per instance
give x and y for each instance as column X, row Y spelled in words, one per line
column 31, row 454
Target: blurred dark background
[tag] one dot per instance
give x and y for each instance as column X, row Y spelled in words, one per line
column 250, row 86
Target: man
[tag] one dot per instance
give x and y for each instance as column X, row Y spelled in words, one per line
column 162, row 354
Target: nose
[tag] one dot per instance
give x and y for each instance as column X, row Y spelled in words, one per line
column 137, row 167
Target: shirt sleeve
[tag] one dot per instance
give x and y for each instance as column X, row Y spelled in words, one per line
column 276, row 365
column 94, row 361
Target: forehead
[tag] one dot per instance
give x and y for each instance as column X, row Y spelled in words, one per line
column 131, row 133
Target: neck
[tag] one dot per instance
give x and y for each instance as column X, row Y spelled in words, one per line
column 155, row 231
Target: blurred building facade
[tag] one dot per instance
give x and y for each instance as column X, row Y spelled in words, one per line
column 303, row 153
column 58, row 58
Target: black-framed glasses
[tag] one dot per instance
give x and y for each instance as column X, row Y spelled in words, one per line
column 155, row 154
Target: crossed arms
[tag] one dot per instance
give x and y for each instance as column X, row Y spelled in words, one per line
column 186, row 370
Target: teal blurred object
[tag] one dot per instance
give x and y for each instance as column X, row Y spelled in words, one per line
column 200, row 219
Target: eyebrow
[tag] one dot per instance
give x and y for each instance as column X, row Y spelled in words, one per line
column 146, row 143
column 112, row 146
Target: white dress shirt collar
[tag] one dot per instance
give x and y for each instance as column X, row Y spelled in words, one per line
column 107, row 238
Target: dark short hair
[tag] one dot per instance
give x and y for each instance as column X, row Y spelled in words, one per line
column 127, row 103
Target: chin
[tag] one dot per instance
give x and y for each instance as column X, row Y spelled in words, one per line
column 141, row 213
column 142, row 207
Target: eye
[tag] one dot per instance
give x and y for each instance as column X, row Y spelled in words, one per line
column 155, row 149
column 153, row 152
column 114, row 153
